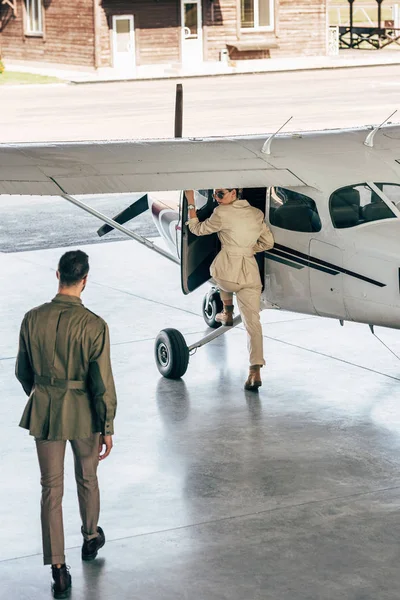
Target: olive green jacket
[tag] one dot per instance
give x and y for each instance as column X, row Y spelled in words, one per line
column 64, row 366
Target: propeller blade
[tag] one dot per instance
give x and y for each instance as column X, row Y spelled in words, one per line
column 134, row 210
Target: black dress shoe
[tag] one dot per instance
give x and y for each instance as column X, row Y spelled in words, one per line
column 91, row 547
column 62, row 581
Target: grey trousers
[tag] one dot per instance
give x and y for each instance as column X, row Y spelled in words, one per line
column 51, row 461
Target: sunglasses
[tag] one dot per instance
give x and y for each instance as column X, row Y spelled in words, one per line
column 220, row 195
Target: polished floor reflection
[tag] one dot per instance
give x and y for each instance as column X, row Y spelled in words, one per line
column 213, row 493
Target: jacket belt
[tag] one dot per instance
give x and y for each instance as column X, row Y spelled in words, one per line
column 239, row 250
column 70, row 384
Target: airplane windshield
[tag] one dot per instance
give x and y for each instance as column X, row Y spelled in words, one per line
column 355, row 205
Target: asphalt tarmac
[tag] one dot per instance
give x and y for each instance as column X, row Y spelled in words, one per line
column 38, row 222
column 228, row 105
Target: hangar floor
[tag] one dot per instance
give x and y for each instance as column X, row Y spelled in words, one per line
column 212, row 493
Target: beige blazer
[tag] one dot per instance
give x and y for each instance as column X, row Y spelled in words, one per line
column 242, row 232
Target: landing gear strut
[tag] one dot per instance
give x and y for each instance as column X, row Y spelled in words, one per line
column 172, row 353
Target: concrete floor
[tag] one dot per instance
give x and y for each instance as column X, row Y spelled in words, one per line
column 212, row 493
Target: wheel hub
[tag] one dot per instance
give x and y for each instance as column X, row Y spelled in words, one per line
column 163, row 355
column 209, row 310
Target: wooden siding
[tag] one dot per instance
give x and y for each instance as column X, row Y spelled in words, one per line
column 157, row 30
column 69, row 32
column 68, row 35
column 300, row 29
column 221, row 32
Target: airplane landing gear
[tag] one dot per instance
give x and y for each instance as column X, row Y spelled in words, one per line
column 171, row 354
column 212, row 305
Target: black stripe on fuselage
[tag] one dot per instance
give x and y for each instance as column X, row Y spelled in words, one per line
column 283, row 261
column 317, row 263
column 303, row 261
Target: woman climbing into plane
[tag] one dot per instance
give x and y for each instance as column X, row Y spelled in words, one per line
column 242, row 233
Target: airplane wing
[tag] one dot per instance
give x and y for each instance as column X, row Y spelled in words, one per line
column 310, row 158
column 137, row 166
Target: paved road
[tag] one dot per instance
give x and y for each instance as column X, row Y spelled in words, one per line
column 213, row 106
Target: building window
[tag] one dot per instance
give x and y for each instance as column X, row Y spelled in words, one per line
column 34, row 17
column 357, row 204
column 191, row 16
column 257, row 14
column 294, row 211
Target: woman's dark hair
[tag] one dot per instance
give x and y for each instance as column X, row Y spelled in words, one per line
column 237, row 191
column 73, row 267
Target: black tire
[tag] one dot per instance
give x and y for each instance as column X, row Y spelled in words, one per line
column 212, row 305
column 171, row 354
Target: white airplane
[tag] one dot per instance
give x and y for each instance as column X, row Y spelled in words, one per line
column 331, row 198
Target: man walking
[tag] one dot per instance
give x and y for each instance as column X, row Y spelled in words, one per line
column 64, row 367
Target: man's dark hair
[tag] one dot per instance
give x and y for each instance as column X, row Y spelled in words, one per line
column 73, row 267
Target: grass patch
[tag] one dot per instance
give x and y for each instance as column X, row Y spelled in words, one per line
column 16, row 78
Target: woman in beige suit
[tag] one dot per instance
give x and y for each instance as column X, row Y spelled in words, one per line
column 242, row 232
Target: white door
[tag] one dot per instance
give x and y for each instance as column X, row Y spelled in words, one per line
column 192, row 37
column 123, row 43
column 326, row 279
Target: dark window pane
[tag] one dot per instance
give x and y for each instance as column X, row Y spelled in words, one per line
column 247, row 13
column 293, row 211
column 357, row 204
column 191, row 22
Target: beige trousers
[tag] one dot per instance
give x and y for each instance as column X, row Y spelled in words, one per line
column 51, row 461
column 249, row 299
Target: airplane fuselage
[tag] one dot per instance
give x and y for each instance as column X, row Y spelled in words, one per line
column 350, row 273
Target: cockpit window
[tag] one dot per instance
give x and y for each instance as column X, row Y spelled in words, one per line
column 357, row 204
column 293, row 211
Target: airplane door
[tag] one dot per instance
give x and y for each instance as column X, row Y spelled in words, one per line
column 326, row 282
column 294, row 219
column 197, row 252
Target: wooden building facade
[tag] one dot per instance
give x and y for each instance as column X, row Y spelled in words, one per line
column 126, row 34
